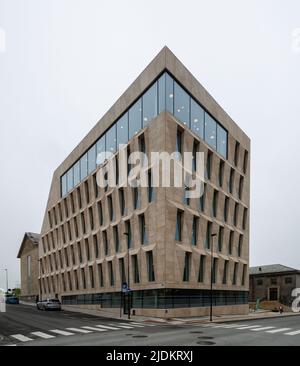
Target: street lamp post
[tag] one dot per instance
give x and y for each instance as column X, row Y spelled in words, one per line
column 128, row 277
column 211, row 276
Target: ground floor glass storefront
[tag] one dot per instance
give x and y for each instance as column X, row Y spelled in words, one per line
column 160, row 298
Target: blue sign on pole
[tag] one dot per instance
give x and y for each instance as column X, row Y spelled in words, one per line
column 124, row 287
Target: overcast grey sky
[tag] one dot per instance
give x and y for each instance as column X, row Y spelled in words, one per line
column 63, row 63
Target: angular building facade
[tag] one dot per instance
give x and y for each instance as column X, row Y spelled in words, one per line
column 166, row 247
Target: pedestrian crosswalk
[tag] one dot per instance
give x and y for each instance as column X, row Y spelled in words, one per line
column 252, row 328
column 85, row 329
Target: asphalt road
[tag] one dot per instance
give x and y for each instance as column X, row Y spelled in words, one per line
column 24, row 325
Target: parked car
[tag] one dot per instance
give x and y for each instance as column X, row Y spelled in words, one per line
column 49, row 304
column 12, row 300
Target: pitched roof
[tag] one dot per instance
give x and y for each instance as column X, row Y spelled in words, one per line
column 271, row 268
column 32, row 237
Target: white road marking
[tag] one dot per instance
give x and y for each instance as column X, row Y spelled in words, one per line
column 249, row 327
column 21, row 337
column 94, row 328
column 43, row 335
column 293, row 333
column 84, row 331
column 229, row 325
column 107, row 327
column 123, row 326
column 278, row 330
column 134, row 324
column 61, row 332
column 261, row 328
column 147, row 324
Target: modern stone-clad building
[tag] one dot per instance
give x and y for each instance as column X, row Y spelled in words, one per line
column 273, row 282
column 29, row 257
column 89, row 233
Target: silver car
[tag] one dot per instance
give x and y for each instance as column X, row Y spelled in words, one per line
column 49, row 304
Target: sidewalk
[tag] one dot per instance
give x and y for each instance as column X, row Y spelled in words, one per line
column 260, row 314
column 231, row 318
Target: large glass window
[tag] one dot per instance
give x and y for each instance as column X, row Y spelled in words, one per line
column 162, row 93
column 169, row 94
column 92, row 159
column 210, row 131
column 76, row 170
column 150, row 104
column 83, row 166
column 136, row 274
column 150, row 266
column 178, row 232
column 100, row 150
column 135, row 118
column 181, row 105
column 187, row 265
column 122, row 130
column 221, row 141
column 111, row 140
column 201, row 269
column 64, row 184
column 70, row 182
column 197, row 119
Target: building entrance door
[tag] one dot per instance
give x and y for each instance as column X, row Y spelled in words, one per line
column 273, row 294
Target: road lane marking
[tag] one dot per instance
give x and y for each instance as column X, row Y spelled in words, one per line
column 21, row 337
column 261, row 328
column 107, row 327
column 278, row 330
column 249, row 327
column 147, row 324
column 43, row 335
column 293, row 333
column 229, row 325
column 94, row 328
column 132, row 324
column 84, row 331
column 123, row 326
column 61, row 332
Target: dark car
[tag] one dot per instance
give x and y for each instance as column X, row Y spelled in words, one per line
column 12, row 300
column 49, row 304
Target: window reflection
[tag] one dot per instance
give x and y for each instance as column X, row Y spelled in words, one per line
column 70, row 183
column 111, row 141
column 122, row 130
column 150, row 104
column 169, row 94
column 181, row 105
column 92, row 159
column 100, row 150
column 76, row 169
column 135, row 118
column 83, row 167
column 210, row 131
column 64, row 184
column 221, row 141
column 162, row 93
column 197, row 119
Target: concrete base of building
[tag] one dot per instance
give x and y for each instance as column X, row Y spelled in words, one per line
column 162, row 313
column 29, row 299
